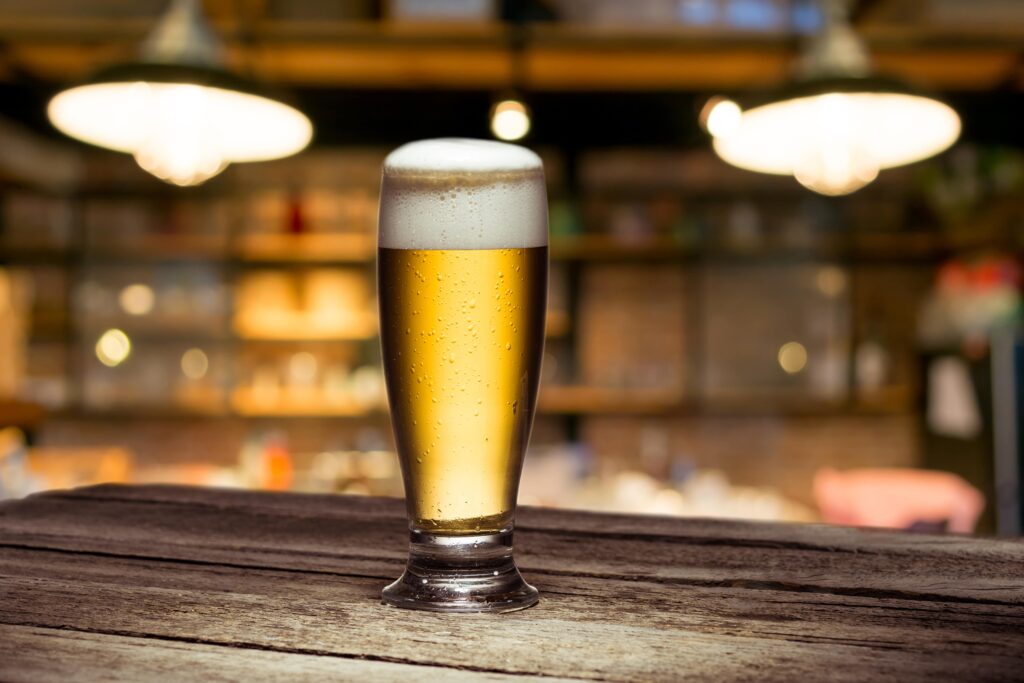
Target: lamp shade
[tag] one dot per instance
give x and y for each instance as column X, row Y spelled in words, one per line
column 178, row 111
column 835, row 135
column 835, row 125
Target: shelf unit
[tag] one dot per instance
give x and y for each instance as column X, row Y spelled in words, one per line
column 231, row 252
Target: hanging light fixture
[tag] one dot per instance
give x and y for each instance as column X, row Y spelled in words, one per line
column 836, row 125
column 510, row 115
column 178, row 110
column 510, row 118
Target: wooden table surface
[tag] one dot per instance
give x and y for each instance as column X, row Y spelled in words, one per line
column 120, row 583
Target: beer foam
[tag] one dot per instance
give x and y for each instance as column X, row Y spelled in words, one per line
column 463, row 194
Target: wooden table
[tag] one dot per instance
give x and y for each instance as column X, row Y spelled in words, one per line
column 120, row 583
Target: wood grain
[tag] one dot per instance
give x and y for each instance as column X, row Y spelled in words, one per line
column 282, row 582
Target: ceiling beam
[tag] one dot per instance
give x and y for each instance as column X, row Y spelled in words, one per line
column 389, row 55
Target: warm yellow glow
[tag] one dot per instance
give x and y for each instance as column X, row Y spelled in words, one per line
column 831, row 281
column 510, row 120
column 836, row 143
column 113, row 347
column 194, row 363
column 723, row 118
column 302, row 367
column 137, row 299
column 792, row 357
column 180, row 132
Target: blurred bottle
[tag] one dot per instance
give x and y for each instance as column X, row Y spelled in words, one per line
column 265, row 462
column 15, row 480
column 278, row 469
column 15, row 304
column 872, row 360
column 296, row 216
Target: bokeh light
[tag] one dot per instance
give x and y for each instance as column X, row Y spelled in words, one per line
column 113, row 347
column 792, row 357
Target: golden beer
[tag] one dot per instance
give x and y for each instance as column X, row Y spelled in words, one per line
column 462, row 334
column 462, row 286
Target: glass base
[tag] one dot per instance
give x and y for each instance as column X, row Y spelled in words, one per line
column 461, row 574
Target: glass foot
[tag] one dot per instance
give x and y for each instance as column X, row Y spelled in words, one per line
column 461, row 574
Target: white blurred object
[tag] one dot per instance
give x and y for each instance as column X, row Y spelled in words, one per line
column 442, row 10
column 871, row 365
column 705, row 493
column 185, row 129
column 952, row 405
column 15, row 481
column 550, row 473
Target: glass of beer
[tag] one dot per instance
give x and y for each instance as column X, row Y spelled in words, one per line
column 462, row 282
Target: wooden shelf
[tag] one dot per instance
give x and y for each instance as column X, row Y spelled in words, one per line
column 798, row 406
column 914, row 246
column 159, row 247
column 21, row 414
column 606, row 247
column 553, row 400
column 584, row 400
column 304, row 332
column 136, row 411
column 307, row 248
column 291, row 403
column 601, row 400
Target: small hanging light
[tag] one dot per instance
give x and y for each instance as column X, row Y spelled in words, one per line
column 510, row 116
column 178, row 110
column 836, row 125
column 510, row 119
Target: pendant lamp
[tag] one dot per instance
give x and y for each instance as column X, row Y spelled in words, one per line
column 177, row 109
column 836, row 124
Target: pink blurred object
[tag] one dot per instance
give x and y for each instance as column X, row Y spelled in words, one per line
column 897, row 498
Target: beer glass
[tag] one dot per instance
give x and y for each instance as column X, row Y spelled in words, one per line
column 462, row 283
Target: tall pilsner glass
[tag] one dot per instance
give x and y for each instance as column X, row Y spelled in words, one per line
column 462, row 280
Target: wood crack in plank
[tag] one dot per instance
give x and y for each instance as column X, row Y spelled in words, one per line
column 209, row 563
column 294, row 650
column 192, row 504
column 747, row 584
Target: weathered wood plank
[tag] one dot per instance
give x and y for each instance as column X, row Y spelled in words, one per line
column 583, row 627
column 824, row 536
column 624, row 598
column 327, row 533
column 40, row 655
column 987, row 628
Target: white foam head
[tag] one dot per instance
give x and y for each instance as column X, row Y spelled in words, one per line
column 455, row 193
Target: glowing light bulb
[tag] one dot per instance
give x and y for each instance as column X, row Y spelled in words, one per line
column 510, row 120
column 722, row 118
column 835, row 143
column 792, row 357
column 137, row 299
column 194, row 363
column 831, row 281
column 180, row 132
column 835, row 159
column 113, row 347
column 180, row 146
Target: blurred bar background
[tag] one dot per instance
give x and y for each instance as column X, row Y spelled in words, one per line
column 720, row 342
